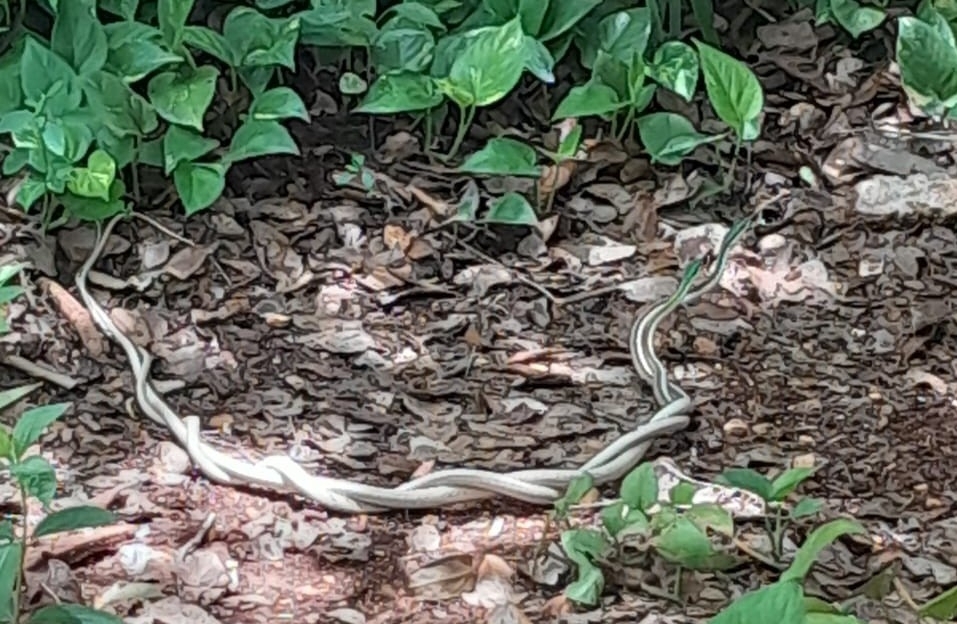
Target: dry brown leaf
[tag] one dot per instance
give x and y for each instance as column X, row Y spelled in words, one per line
column 77, row 315
column 448, row 577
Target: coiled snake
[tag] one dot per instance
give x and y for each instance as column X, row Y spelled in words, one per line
column 444, row 487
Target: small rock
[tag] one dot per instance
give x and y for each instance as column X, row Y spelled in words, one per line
column 804, row 461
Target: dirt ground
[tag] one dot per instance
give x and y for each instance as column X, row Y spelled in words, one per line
column 307, row 321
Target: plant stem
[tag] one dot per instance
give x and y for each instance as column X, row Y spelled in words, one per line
column 466, row 115
column 18, row 582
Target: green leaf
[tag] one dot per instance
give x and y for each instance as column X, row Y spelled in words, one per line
column 831, row 618
column 95, row 209
column 682, row 493
column 400, row 92
column 125, row 9
column 806, row 507
column 73, row 518
column 32, row 423
column 398, row 47
column 123, row 111
column 136, row 51
column 489, row 65
column 854, row 18
column 684, row 543
column 675, row 66
column 260, row 138
column 18, row 122
column 261, row 41
column 788, row 481
column 503, row 156
column 711, row 516
column 624, row 35
column 95, row 179
column 747, row 479
column 10, row 557
column 941, row 607
column 819, row 539
column 928, row 65
column 172, row 16
column 592, row 98
column 183, row 97
column 583, row 546
column 199, row 185
column 6, row 445
column 511, row 209
column 32, row 189
column 561, row 17
column 184, row 145
column 639, row 488
column 47, row 80
column 620, row 520
column 278, row 103
column 576, row 490
column 781, row 603
column 352, row 84
column 71, row 614
column 587, row 588
column 670, row 137
column 36, row 476
column 78, row 37
column 212, row 43
column 733, row 90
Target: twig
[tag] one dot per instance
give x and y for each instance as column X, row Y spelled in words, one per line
column 905, row 595
column 183, row 551
column 40, row 372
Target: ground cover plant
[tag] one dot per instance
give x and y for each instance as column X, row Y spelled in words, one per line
column 96, row 96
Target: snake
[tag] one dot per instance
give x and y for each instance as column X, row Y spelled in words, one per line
column 444, row 487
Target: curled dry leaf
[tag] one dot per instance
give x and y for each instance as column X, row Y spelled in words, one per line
column 448, row 577
column 77, row 315
column 412, row 246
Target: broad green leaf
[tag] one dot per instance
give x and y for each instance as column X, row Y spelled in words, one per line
column 183, row 145
column 6, row 445
column 856, row 19
column 620, row 520
column 9, row 293
column 511, row 209
column 183, row 97
column 711, row 516
column 172, row 16
column 703, row 11
column 624, row 35
column 78, row 37
column 670, row 137
column 490, row 65
column 574, row 493
column 592, row 98
column 95, row 209
column 503, row 156
column 941, row 607
column 568, row 148
column 583, row 546
column 278, row 103
column 10, row 557
column 199, row 185
column 212, row 43
column 747, row 479
column 414, row 13
column 819, row 539
column 136, row 51
column 780, row 603
column 675, row 66
column 399, row 48
column 587, row 588
column 32, row 189
column 684, row 543
column 682, row 493
column 399, row 93
column 47, row 80
column 6, row 529
column 788, row 481
column 32, row 423
column 563, row 16
column 8, row 272
column 37, row 478
column 733, row 90
column 73, row 518
column 831, row 618
column 538, row 60
column 351, row 83
column 64, row 613
column 258, row 40
column 125, row 9
column 639, row 488
column 123, row 111
column 806, row 507
column 95, row 179
column 260, row 138
column 11, row 95
column 18, row 122
column 928, row 65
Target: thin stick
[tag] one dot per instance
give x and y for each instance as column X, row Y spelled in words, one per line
column 39, row 372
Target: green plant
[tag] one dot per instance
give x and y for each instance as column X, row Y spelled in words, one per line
column 356, row 170
column 927, row 56
column 849, row 14
column 35, row 477
column 774, row 493
column 8, row 292
column 113, row 89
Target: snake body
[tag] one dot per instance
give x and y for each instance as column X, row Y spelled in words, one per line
column 438, row 489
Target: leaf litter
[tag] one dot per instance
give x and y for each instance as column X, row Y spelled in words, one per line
column 322, row 322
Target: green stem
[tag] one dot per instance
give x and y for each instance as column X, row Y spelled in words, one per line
column 466, row 115
column 18, row 582
column 629, row 119
column 734, row 161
